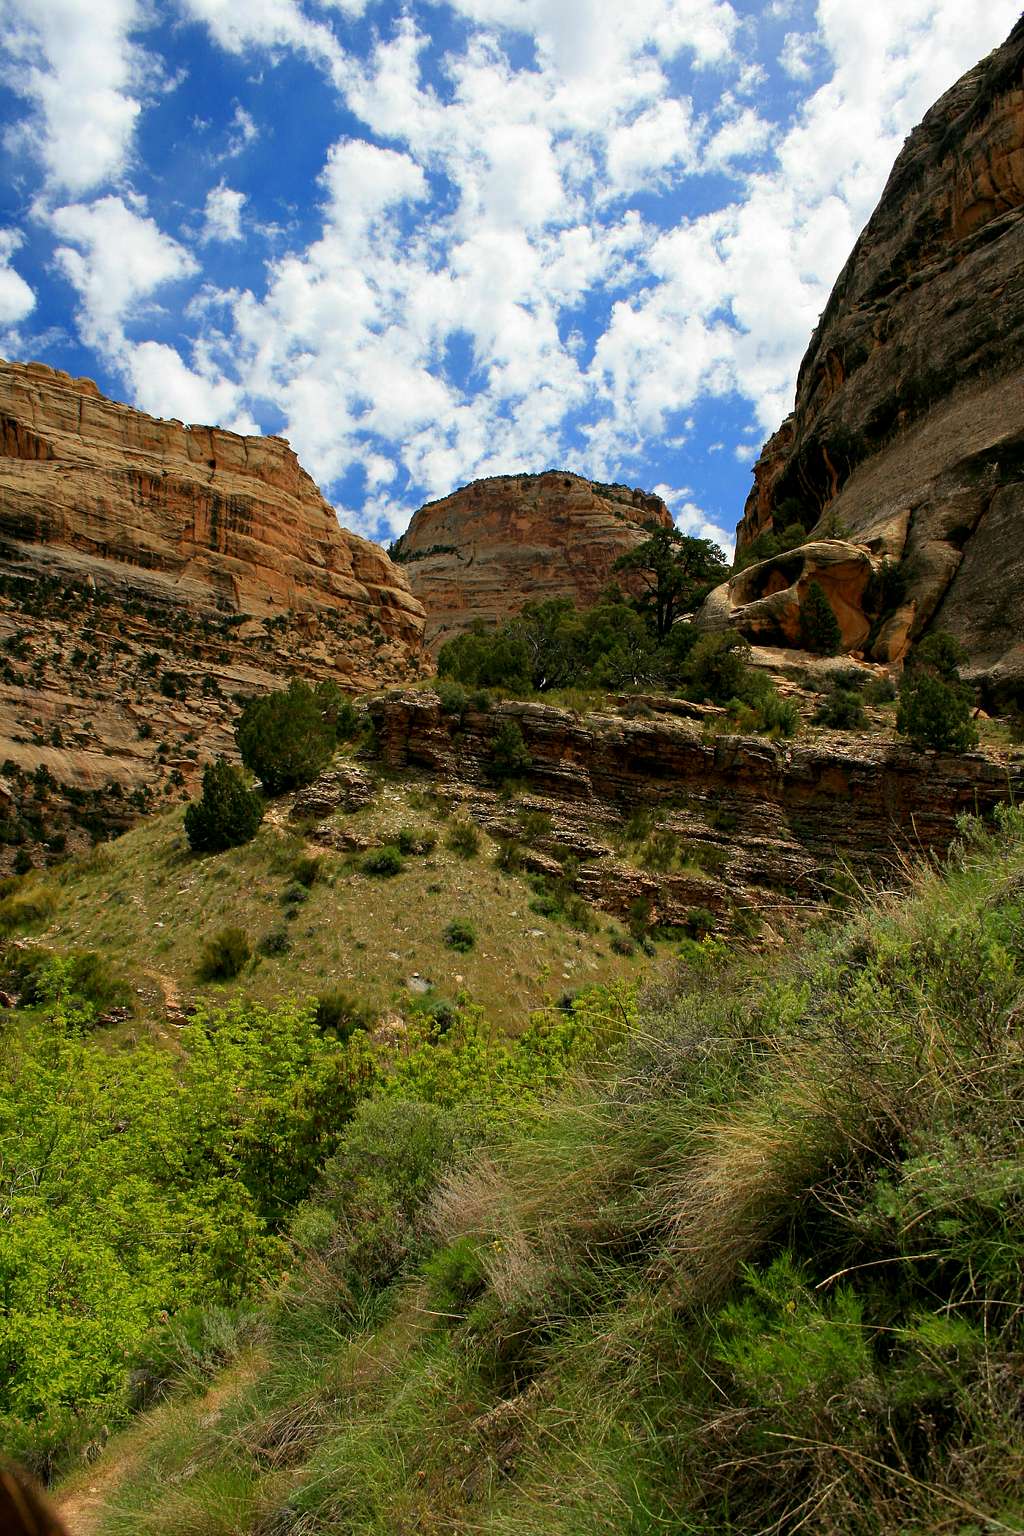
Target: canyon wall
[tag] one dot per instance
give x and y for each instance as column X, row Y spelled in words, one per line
column 153, row 575
column 493, row 546
column 906, row 443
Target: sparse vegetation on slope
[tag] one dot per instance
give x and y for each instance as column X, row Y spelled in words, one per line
column 758, row 1271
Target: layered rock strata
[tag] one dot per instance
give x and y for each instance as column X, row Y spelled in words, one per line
column 907, row 436
column 493, row 546
column 151, row 576
column 762, row 828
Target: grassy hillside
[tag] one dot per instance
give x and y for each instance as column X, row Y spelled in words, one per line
column 316, row 920
column 758, row 1271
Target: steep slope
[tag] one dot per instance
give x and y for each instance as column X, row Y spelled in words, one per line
column 907, row 437
column 491, row 547
column 149, row 574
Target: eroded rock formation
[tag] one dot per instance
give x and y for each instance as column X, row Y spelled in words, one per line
column 152, row 574
column 765, row 827
column 907, row 437
column 488, row 549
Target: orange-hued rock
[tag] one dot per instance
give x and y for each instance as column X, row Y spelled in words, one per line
column 907, row 436
column 488, row 549
column 151, row 576
column 204, row 516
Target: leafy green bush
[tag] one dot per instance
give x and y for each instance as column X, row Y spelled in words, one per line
column 82, row 977
column 285, row 738
column 224, row 955
column 935, row 707
column 307, row 870
column 384, row 863
column 819, row 627
column 274, row 943
column 228, row 812
column 339, row 1014
column 460, row 935
column 510, row 758
column 463, row 838
column 842, row 710
column 717, row 669
column 935, row 714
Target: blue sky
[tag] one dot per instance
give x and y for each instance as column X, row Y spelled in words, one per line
column 448, row 238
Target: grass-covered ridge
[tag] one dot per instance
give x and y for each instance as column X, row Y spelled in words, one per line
column 759, row 1271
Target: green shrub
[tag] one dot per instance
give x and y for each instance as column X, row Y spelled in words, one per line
column 275, row 943
column 842, row 711
column 454, row 698
column 224, row 955
column 717, row 668
column 463, row 838
column 510, row 758
column 384, row 862
column 460, row 935
column 411, row 843
column 935, row 714
column 227, row 814
column 294, row 894
column 307, row 870
column 819, row 627
column 778, row 716
column 23, row 862
column 26, row 907
column 339, row 1014
column 284, row 738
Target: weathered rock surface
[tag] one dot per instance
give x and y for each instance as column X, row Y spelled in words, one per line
column 488, row 549
column 907, row 437
column 195, row 514
column 767, row 827
column 150, row 576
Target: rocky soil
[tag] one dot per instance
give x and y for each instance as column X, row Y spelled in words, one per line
column 491, row 547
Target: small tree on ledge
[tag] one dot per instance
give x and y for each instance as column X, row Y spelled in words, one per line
column 819, row 627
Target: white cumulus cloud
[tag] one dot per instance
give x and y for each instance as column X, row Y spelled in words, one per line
column 83, row 74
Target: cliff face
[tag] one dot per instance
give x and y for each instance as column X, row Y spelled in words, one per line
column 495, row 545
column 206, row 517
column 769, row 827
column 907, row 437
column 151, row 575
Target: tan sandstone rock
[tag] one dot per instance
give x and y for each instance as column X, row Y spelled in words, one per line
column 488, row 549
column 151, row 576
column 907, row 436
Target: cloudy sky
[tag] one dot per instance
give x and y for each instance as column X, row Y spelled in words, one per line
column 449, row 238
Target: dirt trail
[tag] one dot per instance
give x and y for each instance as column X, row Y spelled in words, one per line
column 84, row 1498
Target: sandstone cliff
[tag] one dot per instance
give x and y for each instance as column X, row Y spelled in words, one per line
column 150, row 575
column 907, row 437
column 488, row 549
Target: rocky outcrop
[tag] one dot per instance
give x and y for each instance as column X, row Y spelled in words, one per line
column 194, row 514
column 151, row 576
column 488, row 549
column 760, row 827
column 907, row 437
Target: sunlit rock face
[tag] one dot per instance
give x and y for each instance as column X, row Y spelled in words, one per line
column 493, row 546
column 194, row 513
column 152, row 575
column 907, row 437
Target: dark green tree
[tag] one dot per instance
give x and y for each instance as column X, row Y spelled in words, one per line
column 935, row 707
column 286, row 737
column 510, row 756
column 819, row 627
column 676, row 572
column 227, row 814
